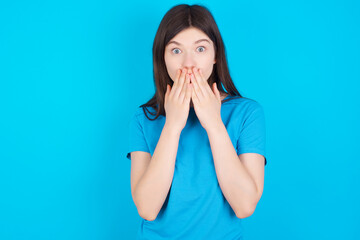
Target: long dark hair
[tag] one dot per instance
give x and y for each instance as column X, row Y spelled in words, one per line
column 175, row 20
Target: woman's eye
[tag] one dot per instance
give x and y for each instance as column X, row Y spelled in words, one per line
column 177, row 51
column 201, row 48
column 174, row 50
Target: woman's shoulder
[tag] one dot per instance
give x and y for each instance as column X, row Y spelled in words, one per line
column 143, row 113
column 241, row 109
column 139, row 111
column 241, row 101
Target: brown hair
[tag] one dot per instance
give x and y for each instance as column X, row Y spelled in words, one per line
column 175, row 20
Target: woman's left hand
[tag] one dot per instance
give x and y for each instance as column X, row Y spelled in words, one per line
column 207, row 101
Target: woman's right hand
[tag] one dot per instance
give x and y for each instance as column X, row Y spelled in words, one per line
column 177, row 101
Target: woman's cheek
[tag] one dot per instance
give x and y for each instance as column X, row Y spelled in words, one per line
column 206, row 73
column 172, row 74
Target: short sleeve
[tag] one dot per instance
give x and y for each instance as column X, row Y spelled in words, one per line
column 136, row 137
column 252, row 132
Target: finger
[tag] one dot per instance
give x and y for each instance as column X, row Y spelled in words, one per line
column 184, row 89
column 167, row 92
column 178, row 73
column 205, row 87
column 197, row 74
column 200, row 73
column 197, row 87
column 175, row 82
column 216, row 91
column 188, row 92
column 180, row 84
column 194, row 97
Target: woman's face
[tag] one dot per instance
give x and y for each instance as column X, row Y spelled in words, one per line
column 190, row 48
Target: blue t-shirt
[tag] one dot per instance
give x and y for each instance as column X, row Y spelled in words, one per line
column 195, row 207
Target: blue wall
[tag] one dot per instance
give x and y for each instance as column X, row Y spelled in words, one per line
column 72, row 74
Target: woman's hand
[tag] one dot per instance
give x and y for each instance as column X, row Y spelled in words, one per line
column 177, row 101
column 207, row 101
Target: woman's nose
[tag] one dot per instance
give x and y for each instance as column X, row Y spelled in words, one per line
column 189, row 62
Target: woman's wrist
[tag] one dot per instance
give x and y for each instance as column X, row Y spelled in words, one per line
column 170, row 128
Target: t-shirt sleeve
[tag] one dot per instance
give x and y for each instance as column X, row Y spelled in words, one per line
column 136, row 137
column 252, row 132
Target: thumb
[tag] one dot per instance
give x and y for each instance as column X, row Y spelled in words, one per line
column 216, row 91
column 167, row 91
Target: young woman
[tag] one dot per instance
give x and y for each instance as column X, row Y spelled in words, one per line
column 197, row 166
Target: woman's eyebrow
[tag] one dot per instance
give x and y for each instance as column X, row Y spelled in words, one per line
column 200, row 40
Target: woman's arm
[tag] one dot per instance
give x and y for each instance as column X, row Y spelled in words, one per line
column 241, row 178
column 153, row 187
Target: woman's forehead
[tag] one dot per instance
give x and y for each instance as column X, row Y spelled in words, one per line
column 190, row 36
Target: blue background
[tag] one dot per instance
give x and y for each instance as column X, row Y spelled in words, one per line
column 72, row 74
